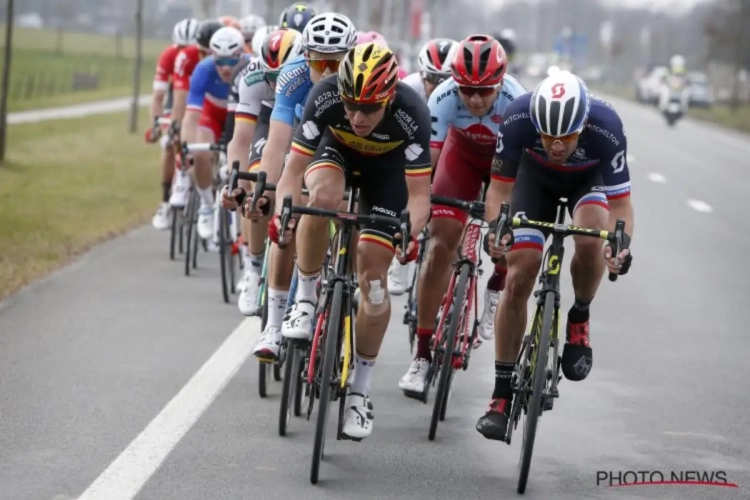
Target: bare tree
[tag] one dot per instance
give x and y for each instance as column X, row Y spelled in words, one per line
column 6, row 78
column 138, row 64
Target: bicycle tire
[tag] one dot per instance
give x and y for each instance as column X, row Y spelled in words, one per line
column 539, row 380
column 287, row 391
column 277, row 372
column 444, row 406
column 330, row 358
column 197, row 241
column 190, row 228
column 173, row 234
column 225, row 254
column 299, row 383
column 262, row 379
column 411, row 307
column 449, row 343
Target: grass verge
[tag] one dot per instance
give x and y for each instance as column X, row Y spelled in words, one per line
column 718, row 114
column 67, row 185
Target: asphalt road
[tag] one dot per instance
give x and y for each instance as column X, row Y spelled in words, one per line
column 121, row 378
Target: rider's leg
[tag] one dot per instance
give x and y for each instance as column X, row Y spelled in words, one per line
column 209, row 130
column 586, row 269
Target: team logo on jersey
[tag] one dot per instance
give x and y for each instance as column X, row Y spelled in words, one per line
column 479, row 133
column 362, row 144
column 310, row 130
column 496, row 119
column 413, row 152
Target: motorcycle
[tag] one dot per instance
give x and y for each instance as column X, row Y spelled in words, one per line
column 674, row 98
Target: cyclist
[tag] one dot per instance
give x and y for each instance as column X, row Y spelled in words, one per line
column 323, row 53
column 558, row 141
column 434, row 62
column 466, row 112
column 183, row 35
column 206, row 113
column 249, row 26
column 230, row 22
column 334, row 146
column 296, row 16
column 257, row 83
column 184, row 65
column 374, row 36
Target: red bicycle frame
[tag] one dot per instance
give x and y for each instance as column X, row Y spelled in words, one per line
column 468, row 252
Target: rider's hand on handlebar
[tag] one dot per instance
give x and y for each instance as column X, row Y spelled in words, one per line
column 229, row 201
column 412, row 250
column 624, row 259
column 152, row 135
column 262, row 208
column 274, row 229
column 489, row 244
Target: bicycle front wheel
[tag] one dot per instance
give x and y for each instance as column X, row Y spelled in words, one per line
column 225, row 254
column 330, row 358
column 539, row 356
column 449, row 343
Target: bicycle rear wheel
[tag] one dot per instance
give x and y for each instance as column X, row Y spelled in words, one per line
column 225, row 254
column 288, row 388
column 330, row 360
column 539, row 379
column 173, row 234
column 191, row 228
column 449, row 342
column 263, row 367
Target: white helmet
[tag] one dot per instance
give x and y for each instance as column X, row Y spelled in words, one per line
column 560, row 105
column 677, row 63
column 261, row 35
column 227, row 42
column 185, row 31
column 249, row 25
column 329, row 33
column 436, row 56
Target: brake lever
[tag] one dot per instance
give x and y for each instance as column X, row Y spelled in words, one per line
column 286, row 215
column 405, row 232
column 619, row 232
column 501, row 226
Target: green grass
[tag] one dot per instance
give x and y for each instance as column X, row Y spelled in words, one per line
column 67, row 185
column 43, row 70
column 719, row 114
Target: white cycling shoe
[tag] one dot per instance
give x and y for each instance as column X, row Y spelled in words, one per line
column 247, row 302
column 180, row 189
column 397, row 277
column 487, row 323
column 416, row 378
column 358, row 417
column 206, row 222
column 161, row 220
column 298, row 324
column 269, row 344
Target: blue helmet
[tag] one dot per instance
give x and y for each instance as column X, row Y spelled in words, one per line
column 296, row 16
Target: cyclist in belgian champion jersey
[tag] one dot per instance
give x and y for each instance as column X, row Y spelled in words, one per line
column 466, row 113
column 363, row 128
column 326, row 40
column 558, row 141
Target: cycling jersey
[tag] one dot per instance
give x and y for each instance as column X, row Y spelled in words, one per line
column 165, row 68
column 292, row 87
column 377, row 164
column 449, row 112
column 596, row 172
column 253, row 92
column 415, row 81
column 209, row 95
column 185, row 62
column 233, row 99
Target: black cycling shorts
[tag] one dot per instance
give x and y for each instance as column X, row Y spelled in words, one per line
column 381, row 181
column 536, row 194
column 260, row 136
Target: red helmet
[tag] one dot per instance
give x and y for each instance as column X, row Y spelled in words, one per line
column 480, row 62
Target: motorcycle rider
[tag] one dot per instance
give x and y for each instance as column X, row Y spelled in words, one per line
column 674, row 85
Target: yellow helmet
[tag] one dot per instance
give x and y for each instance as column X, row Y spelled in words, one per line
column 368, row 74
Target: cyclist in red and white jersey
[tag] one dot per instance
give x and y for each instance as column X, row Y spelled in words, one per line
column 467, row 111
column 183, row 35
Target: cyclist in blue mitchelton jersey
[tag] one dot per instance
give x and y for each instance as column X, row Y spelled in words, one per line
column 558, row 141
column 326, row 40
column 207, row 113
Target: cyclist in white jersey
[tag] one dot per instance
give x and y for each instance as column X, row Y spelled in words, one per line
column 434, row 62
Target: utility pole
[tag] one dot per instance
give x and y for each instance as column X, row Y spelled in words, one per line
column 138, row 64
column 6, row 78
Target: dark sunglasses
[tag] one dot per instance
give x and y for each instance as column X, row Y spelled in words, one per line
column 481, row 91
column 433, row 78
column 227, row 61
column 366, row 108
column 320, row 65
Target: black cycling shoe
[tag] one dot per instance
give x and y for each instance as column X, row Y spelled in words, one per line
column 578, row 357
column 494, row 423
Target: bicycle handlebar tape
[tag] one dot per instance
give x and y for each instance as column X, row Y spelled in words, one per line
column 286, row 214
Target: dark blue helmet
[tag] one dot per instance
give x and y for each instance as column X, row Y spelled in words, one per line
column 297, row 16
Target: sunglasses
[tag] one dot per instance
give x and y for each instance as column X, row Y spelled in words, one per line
column 433, row 78
column 481, row 91
column 566, row 139
column 366, row 108
column 227, row 61
column 320, row 65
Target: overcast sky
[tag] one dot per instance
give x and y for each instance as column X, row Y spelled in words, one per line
column 656, row 4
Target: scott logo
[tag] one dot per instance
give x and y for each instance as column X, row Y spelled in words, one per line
column 558, row 90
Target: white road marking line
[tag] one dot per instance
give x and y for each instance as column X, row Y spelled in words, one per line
column 125, row 477
column 700, row 206
column 657, row 177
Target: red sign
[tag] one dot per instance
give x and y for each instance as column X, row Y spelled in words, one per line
column 417, row 7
